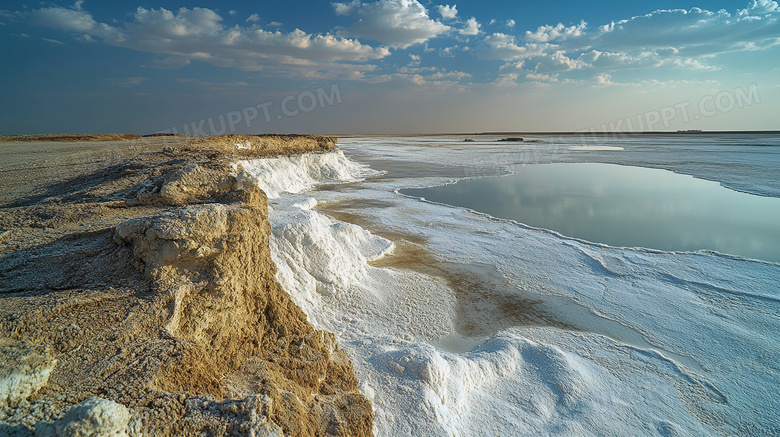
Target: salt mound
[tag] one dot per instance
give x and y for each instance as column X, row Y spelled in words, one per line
column 294, row 174
column 316, row 255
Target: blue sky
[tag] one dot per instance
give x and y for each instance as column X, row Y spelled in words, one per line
column 388, row 66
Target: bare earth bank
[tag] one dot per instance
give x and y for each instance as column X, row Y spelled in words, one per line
column 138, row 297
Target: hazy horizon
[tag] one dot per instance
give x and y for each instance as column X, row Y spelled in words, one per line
column 389, row 67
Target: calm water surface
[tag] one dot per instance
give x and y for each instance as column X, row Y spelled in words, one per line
column 625, row 206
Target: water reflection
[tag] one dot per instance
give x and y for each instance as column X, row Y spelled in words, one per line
column 486, row 302
column 625, row 206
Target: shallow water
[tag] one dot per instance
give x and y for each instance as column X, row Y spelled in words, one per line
column 625, row 206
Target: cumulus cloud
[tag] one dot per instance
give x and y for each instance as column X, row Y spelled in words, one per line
column 399, row 23
column 448, row 12
column 557, row 61
column 75, row 20
column 618, row 60
column 672, row 38
column 198, row 34
column 471, row 27
column 162, row 23
column 501, row 46
column 542, row 77
column 558, row 32
column 760, row 7
column 604, row 79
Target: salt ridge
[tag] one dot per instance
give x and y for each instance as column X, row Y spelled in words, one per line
column 294, row 174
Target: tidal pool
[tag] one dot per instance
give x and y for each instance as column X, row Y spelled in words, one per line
column 626, row 207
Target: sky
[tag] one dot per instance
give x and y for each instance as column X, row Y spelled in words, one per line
column 388, row 66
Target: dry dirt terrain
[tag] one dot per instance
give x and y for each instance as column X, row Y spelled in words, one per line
column 138, row 296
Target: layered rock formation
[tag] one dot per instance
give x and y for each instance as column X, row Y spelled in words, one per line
column 146, row 286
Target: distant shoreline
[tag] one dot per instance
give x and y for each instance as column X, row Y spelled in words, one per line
column 571, row 133
column 21, row 138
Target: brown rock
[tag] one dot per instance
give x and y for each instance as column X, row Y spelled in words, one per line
column 151, row 281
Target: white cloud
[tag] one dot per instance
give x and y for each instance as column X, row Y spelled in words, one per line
column 759, row 8
column 507, row 80
column 170, row 62
column 449, row 75
column 345, row 8
column 534, row 58
column 471, row 28
column 10, row 16
column 449, row 52
column 448, row 12
column 64, row 19
column 423, row 76
column 558, row 32
column 163, row 23
column 557, row 61
column 504, row 47
column 542, row 77
column 198, row 34
column 604, row 79
column 670, row 39
column 618, row 60
column 72, row 20
column 53, row 41
column 696, row 32
column 677, row 38
column 399, row 23
column 693, row 64
column 232, row 12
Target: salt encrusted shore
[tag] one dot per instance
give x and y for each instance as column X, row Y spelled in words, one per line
column 138, row 295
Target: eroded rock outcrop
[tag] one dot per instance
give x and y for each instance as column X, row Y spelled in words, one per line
column 168, row 307
column 211, row 266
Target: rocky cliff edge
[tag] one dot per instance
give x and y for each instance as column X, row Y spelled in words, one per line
column 138, row 297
